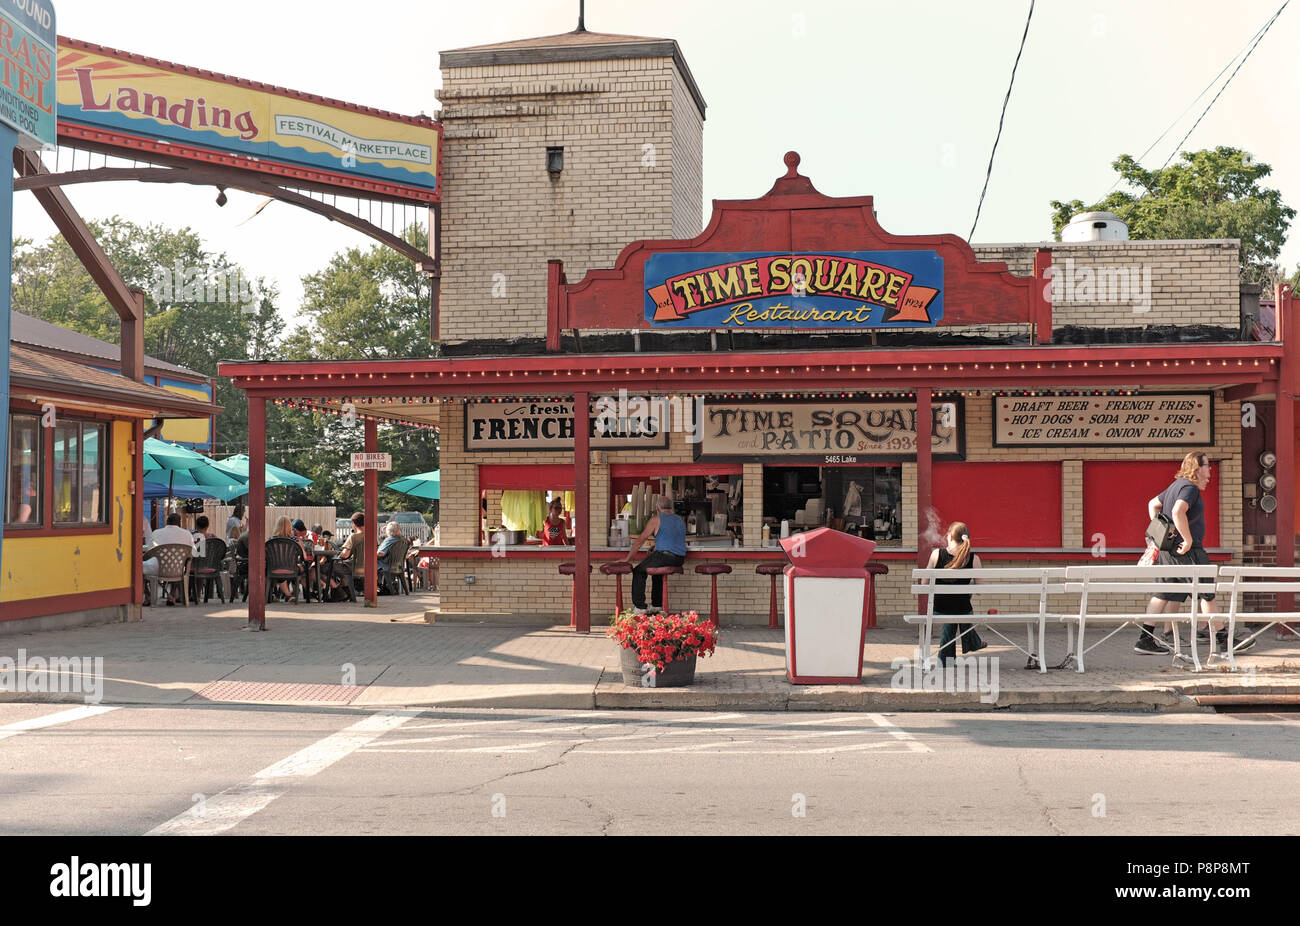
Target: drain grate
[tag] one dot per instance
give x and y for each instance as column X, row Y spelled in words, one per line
column 278, row 691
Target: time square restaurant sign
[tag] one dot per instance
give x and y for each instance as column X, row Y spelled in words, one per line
column 851, row 289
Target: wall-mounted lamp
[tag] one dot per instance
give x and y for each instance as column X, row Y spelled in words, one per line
column 554, row 162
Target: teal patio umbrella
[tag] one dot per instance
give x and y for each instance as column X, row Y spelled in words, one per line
column 421, row 485
column 185, row 469
column 237, row 466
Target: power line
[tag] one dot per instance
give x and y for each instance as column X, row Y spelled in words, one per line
column 1007, row 99
column 1212, row 82
column 1268, row 25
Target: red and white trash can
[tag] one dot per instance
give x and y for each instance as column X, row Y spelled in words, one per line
column 826, row 602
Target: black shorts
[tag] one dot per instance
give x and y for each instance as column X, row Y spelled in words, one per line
column 1196, row 556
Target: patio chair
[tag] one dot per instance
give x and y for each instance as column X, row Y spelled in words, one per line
column 394, row 571
column 237, row 569
column 284, row 563
column 173, row 568
column 208, row 571
column 341, row 569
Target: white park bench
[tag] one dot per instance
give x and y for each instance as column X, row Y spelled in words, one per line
column 1242, row 580
column 1097, row 584
column 1036, row 583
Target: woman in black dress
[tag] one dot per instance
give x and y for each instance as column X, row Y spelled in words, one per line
column 956, row 555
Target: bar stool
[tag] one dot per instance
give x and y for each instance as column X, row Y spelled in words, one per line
column 617, row 570
column 714, row 570
column 664, row 571
column 569, row 569
column 773, row 570
column 873, row 570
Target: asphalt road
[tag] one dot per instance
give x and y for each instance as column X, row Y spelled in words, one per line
column 258, row 770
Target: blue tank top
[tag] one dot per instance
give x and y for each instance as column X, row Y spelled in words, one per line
column 671, row 536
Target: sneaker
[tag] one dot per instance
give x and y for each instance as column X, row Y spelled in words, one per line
column 1238, row 646
column 1149, row 645
column 638, row 611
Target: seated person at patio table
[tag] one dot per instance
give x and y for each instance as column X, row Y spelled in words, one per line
column 327, row 540
column 284, row 528
column 201, row 534
column 354, row 551
column 392, row 533
column 172, row 533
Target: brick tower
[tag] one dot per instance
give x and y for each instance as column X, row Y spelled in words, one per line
column 563, row 147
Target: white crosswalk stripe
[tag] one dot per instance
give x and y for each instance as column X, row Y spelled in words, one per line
column 231, row 807
column 50, row 720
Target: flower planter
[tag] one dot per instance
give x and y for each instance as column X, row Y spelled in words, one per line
column 677, row 674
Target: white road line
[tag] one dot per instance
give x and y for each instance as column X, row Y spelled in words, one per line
column 231, row 807
column 50, row 720
column 898, row 734
column 383, row 747
column 499, row 721
column 515, row 747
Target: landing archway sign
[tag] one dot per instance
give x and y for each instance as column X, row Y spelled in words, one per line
column 179, row 124
column 28, row 121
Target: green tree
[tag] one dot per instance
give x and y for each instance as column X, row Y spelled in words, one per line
column 1205, row 194
column 370, row 304
column 366, row 305
column 200, row 307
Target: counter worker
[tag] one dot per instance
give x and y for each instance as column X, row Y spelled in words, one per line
column 555, row 530
column 669, row 532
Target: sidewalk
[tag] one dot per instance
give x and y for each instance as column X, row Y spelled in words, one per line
column 344, row 654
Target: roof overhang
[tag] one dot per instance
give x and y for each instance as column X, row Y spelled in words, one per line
column 408, row 390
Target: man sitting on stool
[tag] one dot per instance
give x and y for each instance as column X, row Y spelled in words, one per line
column 670, row 550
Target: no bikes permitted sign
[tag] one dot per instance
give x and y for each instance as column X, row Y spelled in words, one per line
column 380, row 461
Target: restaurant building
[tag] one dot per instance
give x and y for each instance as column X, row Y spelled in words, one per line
column 73, row 521
column 791, row 365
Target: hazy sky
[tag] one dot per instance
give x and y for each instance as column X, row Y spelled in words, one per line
column 896, row 100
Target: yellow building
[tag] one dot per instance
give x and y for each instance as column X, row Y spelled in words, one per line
column 73, row 515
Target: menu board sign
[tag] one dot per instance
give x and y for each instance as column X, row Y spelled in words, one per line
column 1153, row 419
column 825, row 432
column 539, row 425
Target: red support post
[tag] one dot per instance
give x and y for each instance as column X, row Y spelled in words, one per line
column 1284, row 429
column 1041, row 305
column 555, row 295
column 371, row 529
column 256, row 512
column 924, row 480
column 582, row 510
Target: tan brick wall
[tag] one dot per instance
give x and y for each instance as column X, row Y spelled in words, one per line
column 503, row 215
column 513, row 585
column 1188, row 282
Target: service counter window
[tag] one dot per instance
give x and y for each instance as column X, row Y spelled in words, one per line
column 708, row 497
column 515, row 500
column 23, row 498
column 862, row 500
